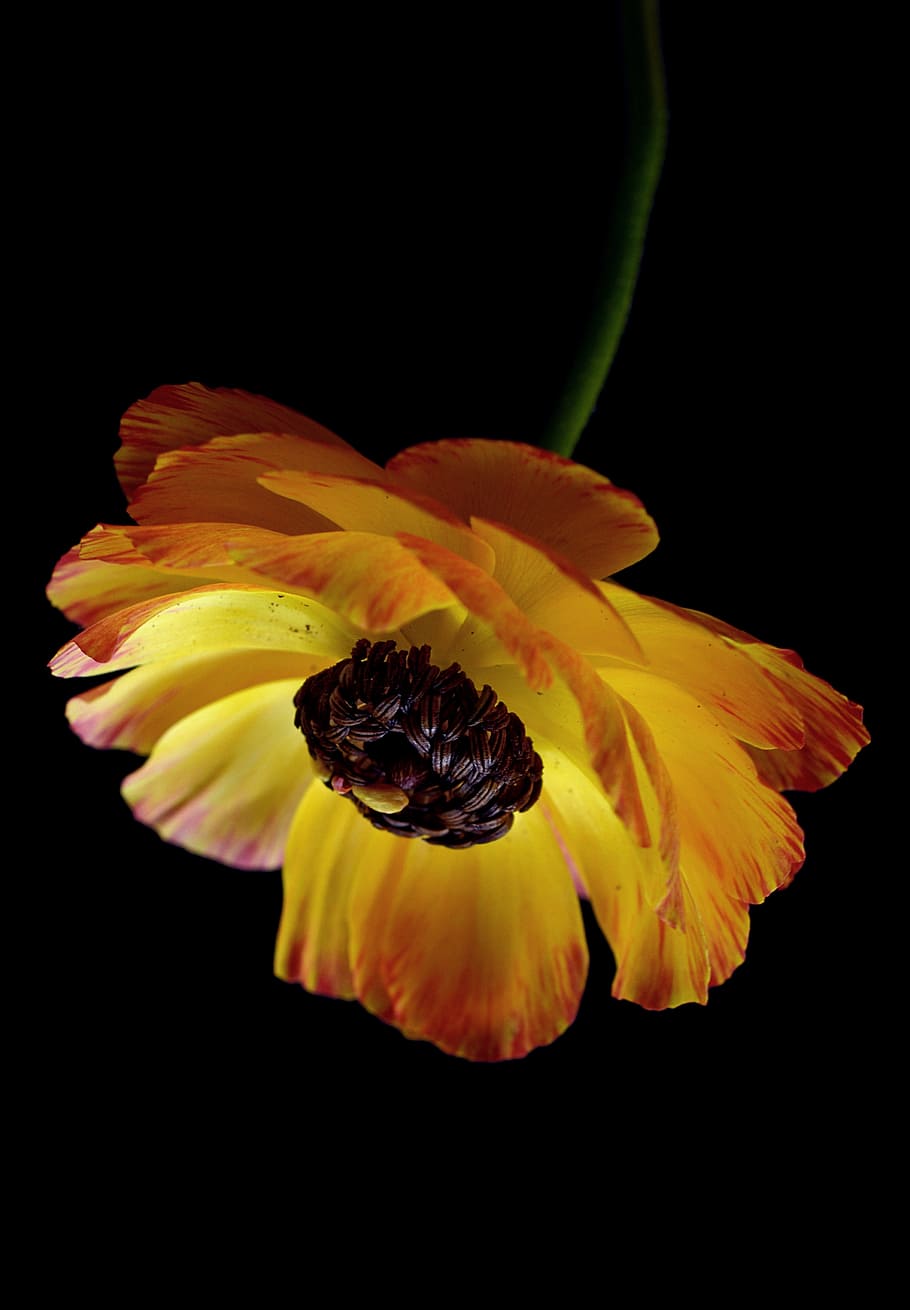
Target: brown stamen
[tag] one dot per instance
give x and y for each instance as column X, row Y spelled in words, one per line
column 389, row 724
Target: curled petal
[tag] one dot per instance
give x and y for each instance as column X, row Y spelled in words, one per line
column 213, row 618
column 805, row 733
column 88, row 590
column 480, row 951
column 569, row 508
column 133, row 710
column 226, row 780
column 380, row 507
column 219, row 482
column 190, row 415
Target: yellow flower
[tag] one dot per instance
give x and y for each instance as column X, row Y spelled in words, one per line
column 412, row 687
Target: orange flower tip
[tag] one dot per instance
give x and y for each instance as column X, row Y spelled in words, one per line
column 383, row 797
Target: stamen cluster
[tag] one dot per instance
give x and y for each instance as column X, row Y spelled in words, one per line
column 389, row 722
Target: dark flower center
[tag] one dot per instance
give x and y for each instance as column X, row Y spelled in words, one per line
column 418, row 749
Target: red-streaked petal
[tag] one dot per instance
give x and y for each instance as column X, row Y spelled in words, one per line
column 217, row 482
column 206, row 619
column 555, row 595
column 192, row 414
column 480, row 951
column 226, row 780
column 373, row 581
column 806, row 732
column 133, row 710
column 381, row 507
column 736, row 832
column 658, row 964
column 329, row 843
column 90, row 590
column 591, row 716
column 568, row 507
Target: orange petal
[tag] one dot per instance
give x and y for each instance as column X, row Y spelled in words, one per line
column 133, row 710
column 555, row 595
column 737, row 834
column 217, row 482
column 381, row 507
column 373, row 581
column 480, row 951
column 192, row 414
column 569, row 508
column 90, row 590
column 805, row 731
column 329, row 843
column 226, row 780
column 207, row 619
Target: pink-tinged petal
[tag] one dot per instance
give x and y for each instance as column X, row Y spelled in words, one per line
column 218, row 482
column 133, row 710
column 207, row 619
column 480, row 951
column 806, row 732
column 329, row 844
column 555, row 595
column 373, row 581
column 569, row 508
column 226, row 780
column 382, row 507
column 90, row 590
column 192, row 414
column 737, row 834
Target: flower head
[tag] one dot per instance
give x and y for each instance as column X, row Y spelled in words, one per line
column 417, row 689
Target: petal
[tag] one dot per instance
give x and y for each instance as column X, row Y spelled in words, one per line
column 737, row 834
column 206, row 619
column 226, row 780
column 380, row 507
column 373, row 581
column 328, row 844
column 658, row 965
column 555, row 595
column 805, row 731
column 480, row 951
column 132, row 711
column 217, row 482
column 89, row 590
column 192, row 414
column 568, row 507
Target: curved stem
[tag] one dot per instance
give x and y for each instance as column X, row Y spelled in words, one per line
column 646, row 135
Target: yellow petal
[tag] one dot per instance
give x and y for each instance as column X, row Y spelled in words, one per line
column 381, row 507
column 214, row 618
column 805, row 733
column 226, row 780
column 737, row 834
column 555, row 595
column 328, row 844
column 480, row 951
column 133, row 710
column 191, row 415
column 564, row 505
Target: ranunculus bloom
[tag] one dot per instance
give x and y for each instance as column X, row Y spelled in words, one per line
column 245, row 616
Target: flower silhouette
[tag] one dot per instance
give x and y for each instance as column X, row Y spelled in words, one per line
column 418, row 690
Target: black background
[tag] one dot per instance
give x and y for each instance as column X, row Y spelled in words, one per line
column 399, row 243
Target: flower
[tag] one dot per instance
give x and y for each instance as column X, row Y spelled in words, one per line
column 413, row 688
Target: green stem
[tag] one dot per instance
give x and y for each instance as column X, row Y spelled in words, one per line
column 646, row 101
